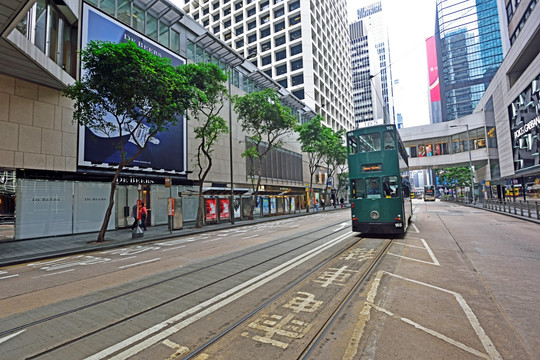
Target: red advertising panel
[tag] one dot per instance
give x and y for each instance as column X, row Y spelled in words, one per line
column 223, row 208
column 211, row 213
column 433, row 68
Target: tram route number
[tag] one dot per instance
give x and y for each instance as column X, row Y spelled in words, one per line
column 398, row 225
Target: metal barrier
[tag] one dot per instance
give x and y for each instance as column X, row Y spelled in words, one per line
column 525, row 208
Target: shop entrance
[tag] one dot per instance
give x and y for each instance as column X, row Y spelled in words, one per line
column 126, row 197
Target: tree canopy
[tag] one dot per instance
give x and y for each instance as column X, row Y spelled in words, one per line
column 210, row 79
column 124, row 89
column 267, row 122
column 455, row 176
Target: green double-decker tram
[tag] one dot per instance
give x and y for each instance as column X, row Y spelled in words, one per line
column 379, row 180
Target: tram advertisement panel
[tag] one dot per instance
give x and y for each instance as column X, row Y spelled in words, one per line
column 167, row 149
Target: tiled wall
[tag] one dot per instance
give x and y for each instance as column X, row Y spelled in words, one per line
column 36, row 128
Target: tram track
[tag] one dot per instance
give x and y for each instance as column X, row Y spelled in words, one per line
column 319, row 333
column 147, row 310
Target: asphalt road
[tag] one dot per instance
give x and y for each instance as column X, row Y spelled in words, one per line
column 461, row 284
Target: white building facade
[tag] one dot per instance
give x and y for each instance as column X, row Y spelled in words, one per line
column 301, row 44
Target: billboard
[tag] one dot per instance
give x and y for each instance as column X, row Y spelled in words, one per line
column 434, row 90
column 166, row 150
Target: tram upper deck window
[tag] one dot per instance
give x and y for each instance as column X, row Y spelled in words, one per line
column 353, row 144
column 389, row 141
column 357, row 188
column 369, row 142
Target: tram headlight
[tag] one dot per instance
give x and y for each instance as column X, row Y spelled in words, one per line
column 374, row 215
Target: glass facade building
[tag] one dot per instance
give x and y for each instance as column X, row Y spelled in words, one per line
column 470, row 52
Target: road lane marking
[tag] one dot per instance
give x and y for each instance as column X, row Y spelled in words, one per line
column 341, row 226
column 139, row 263
column 8, row 276
column 207, row 307
column 56, row 273
column 4, row 339
column 249, row 237
column 427, row 248
column 492, row 353
column 174, row 248
column 415, row 229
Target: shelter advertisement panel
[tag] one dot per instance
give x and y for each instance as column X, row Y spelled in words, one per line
column 165, row 151
column 211, row 210
column 223, row 208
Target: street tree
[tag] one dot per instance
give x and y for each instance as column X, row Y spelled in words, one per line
column 210, row 79
column 125, row 90
column 314, row 138
column 336, row 156
column 266, row 122
column 459, row 176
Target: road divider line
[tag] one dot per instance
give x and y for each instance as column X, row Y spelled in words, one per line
column 139, row 263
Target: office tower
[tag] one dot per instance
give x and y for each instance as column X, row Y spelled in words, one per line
column 372, row 14
column 435, row 113
column 301, row 44
column 367, row 92
column 470, row 52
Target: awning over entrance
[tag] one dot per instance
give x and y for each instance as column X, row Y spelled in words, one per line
column 223, row 191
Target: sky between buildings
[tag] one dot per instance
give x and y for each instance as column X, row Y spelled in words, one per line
column 410, row 23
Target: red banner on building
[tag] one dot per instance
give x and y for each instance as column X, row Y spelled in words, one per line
column 433, row 70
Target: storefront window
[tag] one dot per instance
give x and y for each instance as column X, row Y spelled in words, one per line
column 492, row 137
column 481, row 138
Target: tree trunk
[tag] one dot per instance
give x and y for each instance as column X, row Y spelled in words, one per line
column 200, row 210
column 103, row 230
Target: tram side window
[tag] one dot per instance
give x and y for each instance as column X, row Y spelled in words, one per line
column 357, row 188
column 390, row 186
column 369, row 142
column 373, row 188
column 406, row 188
column 353, row 145
column 389, row 142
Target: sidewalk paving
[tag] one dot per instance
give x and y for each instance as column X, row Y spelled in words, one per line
column 19, row 251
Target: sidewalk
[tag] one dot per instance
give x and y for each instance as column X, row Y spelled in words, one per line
column 19, row 251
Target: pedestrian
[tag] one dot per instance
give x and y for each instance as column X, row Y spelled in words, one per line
column 342, row 201
column 316, row 205
column 135, row 216
column 144, row 212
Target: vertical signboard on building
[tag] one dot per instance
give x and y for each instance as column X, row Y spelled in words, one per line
column 433, row 70
column 167, row 149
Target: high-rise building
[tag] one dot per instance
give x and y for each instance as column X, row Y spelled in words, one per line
column 372, row 14
column 301, row 44
column 470, row 52
column 367, row 92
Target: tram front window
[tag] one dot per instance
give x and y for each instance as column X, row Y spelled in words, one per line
column 373, row 188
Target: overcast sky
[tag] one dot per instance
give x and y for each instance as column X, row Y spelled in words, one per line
column 410, row 23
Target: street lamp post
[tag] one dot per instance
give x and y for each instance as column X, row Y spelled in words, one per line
column 470, row 160
column 231, row 199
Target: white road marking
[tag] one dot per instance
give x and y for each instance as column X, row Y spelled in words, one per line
column 8, row 276
column 56, row 273
column 207, row 307
column 341, row 226
column 492, row 353
column 174, row 248
column 428, row 249
column 252, row 236
column 415, row 228
column 139, row 263
column 4, row 339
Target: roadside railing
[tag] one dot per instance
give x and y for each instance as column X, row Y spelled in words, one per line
column 519, row 207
